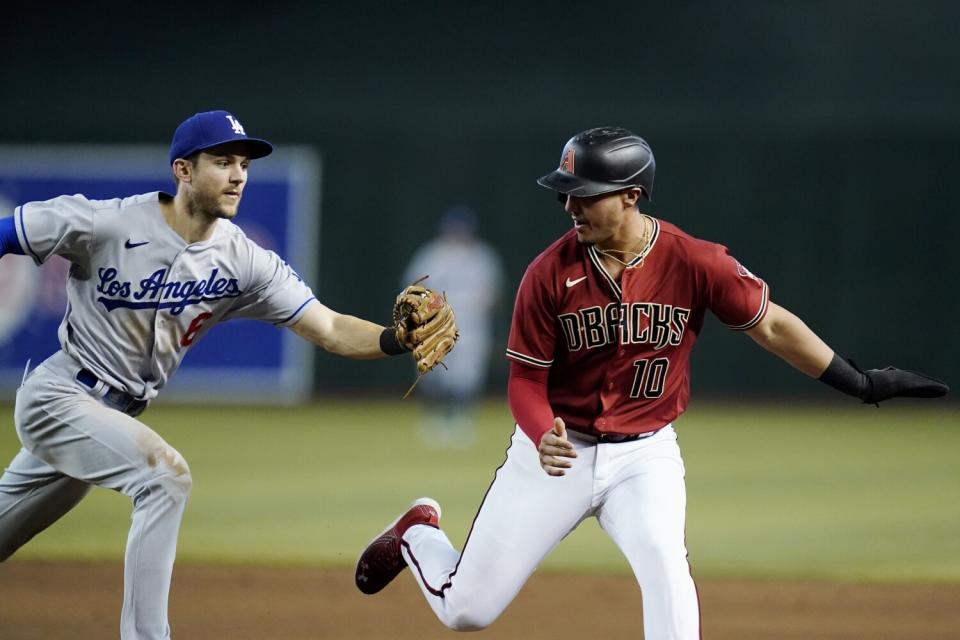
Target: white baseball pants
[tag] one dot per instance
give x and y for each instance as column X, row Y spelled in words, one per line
column 635, row 490
column 70, row 442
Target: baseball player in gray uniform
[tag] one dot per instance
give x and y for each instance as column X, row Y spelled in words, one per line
column 150, row 274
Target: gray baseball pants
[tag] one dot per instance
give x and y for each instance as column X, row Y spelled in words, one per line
column 73, row 441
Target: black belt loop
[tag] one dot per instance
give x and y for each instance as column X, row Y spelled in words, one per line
column 87, row 378
column 119, row 400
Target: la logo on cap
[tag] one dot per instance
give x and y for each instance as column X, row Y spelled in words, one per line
column 237, row 127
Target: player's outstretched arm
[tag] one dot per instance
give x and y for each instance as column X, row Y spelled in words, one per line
column 784, row 334
column 341, row 334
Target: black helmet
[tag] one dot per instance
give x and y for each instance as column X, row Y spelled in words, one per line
column 603, row 160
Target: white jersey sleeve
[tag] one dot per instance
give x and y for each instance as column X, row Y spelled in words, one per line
column 62, row 226
column 277, row 293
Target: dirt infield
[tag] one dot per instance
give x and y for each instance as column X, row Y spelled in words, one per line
column 45, row 601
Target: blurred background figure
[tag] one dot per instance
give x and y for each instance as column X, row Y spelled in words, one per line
column 469, row 271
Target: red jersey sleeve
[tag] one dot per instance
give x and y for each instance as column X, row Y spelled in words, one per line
column 736, row 296
column 533, row 330
column 527, row 396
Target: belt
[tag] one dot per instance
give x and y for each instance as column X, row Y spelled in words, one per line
column 114, row 398
column 615, row 437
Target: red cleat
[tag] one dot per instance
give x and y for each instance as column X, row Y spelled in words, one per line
column 382, row 561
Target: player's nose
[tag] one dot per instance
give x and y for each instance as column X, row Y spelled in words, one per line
column 238, row 175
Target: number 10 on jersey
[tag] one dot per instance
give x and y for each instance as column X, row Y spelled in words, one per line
column 648, row 381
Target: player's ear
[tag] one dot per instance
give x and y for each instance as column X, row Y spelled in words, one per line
column 630, row 198
column 182, row 170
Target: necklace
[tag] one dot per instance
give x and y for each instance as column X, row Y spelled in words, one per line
column 642, row 245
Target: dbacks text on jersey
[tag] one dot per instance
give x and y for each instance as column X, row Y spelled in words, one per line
column 625, row 323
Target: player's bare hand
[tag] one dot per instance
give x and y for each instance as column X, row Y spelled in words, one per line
column 555, row 448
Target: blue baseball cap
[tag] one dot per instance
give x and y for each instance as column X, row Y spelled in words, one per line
column 209, row 129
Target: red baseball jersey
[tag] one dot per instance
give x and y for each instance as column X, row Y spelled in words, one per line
column 618, row 353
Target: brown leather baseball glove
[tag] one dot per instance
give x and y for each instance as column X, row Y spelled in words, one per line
column 425, row 324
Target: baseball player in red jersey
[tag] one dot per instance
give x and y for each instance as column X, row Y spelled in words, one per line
column 603, row 326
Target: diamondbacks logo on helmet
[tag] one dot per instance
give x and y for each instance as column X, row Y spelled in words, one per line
column 566, row 164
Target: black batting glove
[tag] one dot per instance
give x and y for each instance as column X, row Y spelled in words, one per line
column 875, row 385
column 892, row 382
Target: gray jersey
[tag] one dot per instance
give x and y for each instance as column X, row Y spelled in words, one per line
column 139, row 296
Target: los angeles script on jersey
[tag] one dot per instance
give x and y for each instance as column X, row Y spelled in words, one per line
column 156, row 292
column 625, row 323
